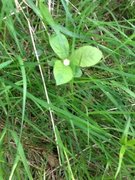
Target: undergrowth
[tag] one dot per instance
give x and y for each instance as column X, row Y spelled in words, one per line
column 80, row 130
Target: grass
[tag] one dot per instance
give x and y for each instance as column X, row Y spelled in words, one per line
column 81, row 130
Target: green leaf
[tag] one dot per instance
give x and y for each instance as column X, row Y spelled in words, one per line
column 121, row 155
column 131, row 143
column 46, row 15
column 62, row 73
column 86, row 56
column 33, row 6
column 21, row 153
column 4, row 64
column 77, row 72
column 59, row 44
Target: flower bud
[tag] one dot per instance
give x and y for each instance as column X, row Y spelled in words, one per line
column 66, row 62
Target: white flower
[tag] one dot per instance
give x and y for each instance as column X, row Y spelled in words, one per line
column 66, row 62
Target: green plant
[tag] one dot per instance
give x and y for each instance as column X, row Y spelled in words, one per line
column 69, row 65
column 94, row 119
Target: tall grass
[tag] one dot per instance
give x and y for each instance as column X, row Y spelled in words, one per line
column 81, row 130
